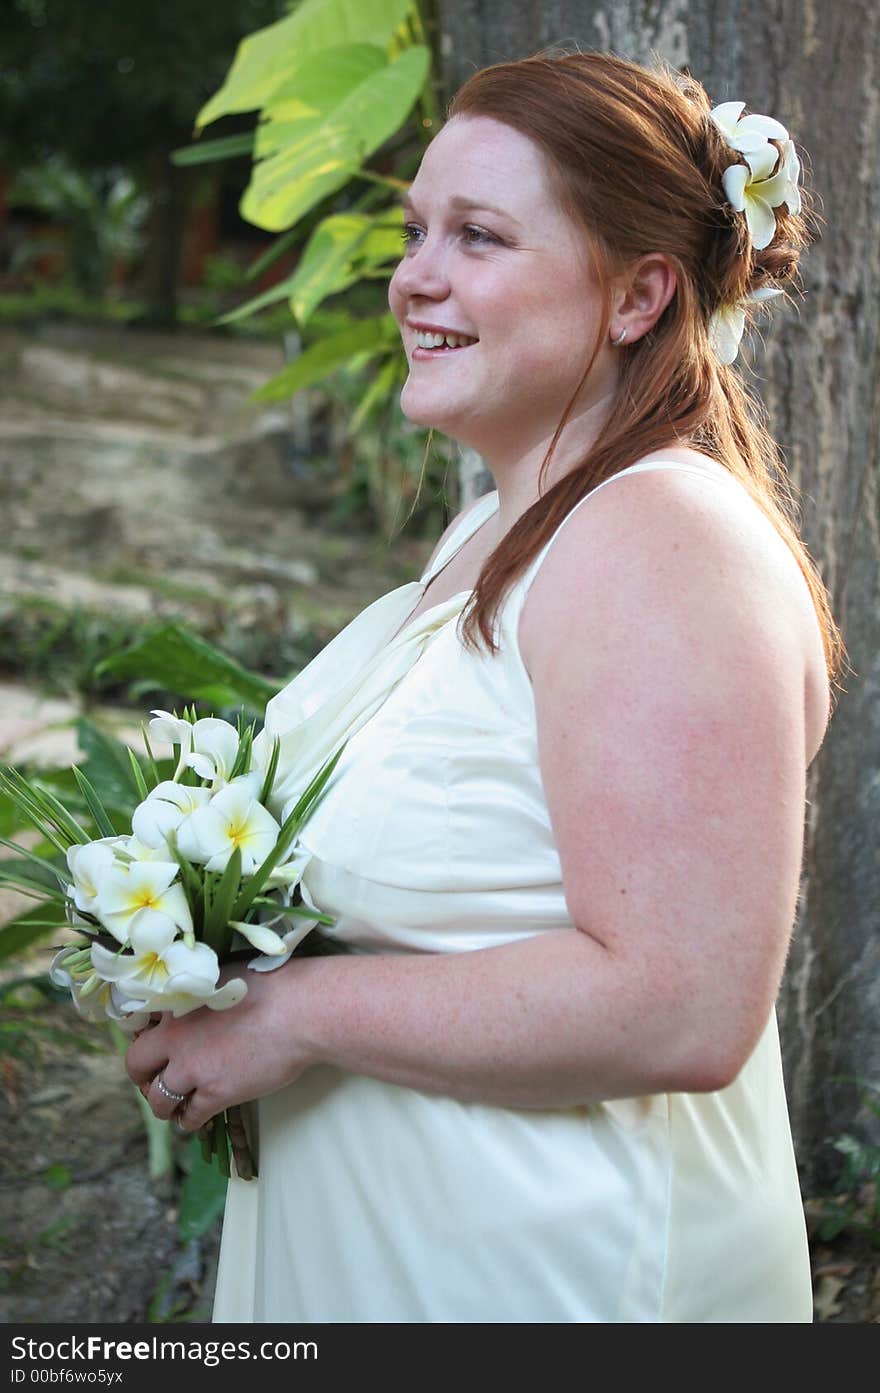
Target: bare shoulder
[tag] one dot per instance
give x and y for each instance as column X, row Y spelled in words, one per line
column 687, row 567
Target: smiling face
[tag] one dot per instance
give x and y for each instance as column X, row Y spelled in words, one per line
column 495, row 298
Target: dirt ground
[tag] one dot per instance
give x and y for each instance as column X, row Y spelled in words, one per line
column 87, row 1237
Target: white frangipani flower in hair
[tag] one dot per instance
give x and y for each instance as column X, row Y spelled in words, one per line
column 756, row 198
column 727, row 324
column 763, row 179
column 746, row 133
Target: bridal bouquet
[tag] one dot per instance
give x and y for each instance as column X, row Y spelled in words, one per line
column 205, row 875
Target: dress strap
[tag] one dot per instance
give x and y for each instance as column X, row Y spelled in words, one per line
column 482, row 509
column 707, row 469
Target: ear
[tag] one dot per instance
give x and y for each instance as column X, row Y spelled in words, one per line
column 640, row 296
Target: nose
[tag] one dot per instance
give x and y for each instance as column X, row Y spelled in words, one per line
column 422, row 272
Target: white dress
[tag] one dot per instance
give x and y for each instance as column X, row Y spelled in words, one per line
column 379, row 1203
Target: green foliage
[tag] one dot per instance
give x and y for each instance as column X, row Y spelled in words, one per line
column 263, row 60
column 104, row 216
column 176, row 661
column 362, row 340
column 202, row 1195
column 335, row 84
column 854, row 1207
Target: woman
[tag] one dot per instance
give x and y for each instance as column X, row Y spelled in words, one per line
column 565, row 834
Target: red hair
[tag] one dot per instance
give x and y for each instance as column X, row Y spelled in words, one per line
column 636, row 160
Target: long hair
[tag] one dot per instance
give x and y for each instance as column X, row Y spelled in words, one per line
column 637, row 162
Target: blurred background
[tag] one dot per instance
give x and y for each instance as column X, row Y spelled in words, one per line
column 201, row 443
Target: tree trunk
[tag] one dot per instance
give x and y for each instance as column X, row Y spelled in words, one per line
column 169, row 187
column 815, row 68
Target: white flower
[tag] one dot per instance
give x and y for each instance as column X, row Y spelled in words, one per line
column 126, row 890
column 215, row 749
column 725, row 331
column 94, row 998
column 163, row 811
column 65, row 962
column 756, row 198
column 162, row 973
column 209, row 746
column 233, row 818
column 291, row 939
column 746, row 133
column 88, row 864
column 783, row 187
column 727, row 324
column 262, row 937
column 765, row 180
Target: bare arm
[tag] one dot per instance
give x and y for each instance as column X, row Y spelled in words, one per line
column 668, row 677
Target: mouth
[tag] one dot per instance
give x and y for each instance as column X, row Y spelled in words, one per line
column 431, row 343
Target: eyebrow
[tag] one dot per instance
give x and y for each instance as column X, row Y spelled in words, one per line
column 462, row 204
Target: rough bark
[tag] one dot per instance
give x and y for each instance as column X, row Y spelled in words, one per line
column 816, row 67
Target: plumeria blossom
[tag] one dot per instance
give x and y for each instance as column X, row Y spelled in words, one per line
column 757, row 198
column 162, row 973
column 727, row 324
column 209, row 746
column 164, row 811
column 290, row 940
column 94, row 998
column 233, row 818
column 746, row 133
column 125, row 891
column 88, row 864
column 764, row 179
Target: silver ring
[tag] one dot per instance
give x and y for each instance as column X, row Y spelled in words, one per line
column 169, row 1092
column 620, row 338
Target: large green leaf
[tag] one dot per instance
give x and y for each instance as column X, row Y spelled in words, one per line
column 338, row 253
column 202, row 1197
column 107, row 767
column 312, row 92
column 368, row 337
column 311, row 156
column 342, row 249
column 264, row 60
column 183, row 663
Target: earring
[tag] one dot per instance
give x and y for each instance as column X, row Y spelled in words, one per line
column 620, row 338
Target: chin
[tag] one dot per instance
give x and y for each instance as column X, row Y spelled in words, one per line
column 421, row 413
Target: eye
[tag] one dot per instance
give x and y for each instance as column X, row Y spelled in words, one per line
column 478, row 236
column 411, row 234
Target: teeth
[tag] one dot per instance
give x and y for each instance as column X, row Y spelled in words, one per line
column 429, row 340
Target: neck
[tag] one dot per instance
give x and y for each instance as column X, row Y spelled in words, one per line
column 516, row 469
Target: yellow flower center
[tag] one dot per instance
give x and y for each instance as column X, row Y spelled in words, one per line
column 237, row 833
column 153, row 966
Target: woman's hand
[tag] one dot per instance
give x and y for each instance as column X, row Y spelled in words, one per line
column 216, row 1059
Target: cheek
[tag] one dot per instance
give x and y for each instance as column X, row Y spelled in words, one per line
column 395, row 297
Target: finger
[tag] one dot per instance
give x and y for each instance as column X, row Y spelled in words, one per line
column 167, row 1100
column 146, row 1056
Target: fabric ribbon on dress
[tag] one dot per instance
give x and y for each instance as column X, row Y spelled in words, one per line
column 310, row 728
